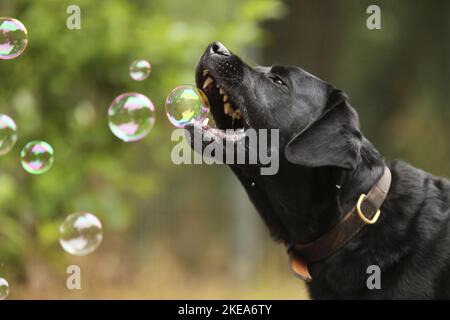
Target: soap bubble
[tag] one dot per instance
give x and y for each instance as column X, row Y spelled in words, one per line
column 140, row 70
column 186, row 104
column 4, row 289
column 37, row 157
column 80, row 233
column 131, row 116
column 13, row 38
column 8, row 134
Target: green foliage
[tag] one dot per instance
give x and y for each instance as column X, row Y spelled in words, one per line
column 59, row 91
column 399, row 78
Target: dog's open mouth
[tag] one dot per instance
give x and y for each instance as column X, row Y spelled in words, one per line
column 219, row 75
column 234, row 141
column 224, row 108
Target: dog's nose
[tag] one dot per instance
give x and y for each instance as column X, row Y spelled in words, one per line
column 218, row 48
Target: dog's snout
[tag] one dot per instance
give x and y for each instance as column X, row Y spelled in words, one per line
column 219, row 48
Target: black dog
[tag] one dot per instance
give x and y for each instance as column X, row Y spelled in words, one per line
column 325, row 165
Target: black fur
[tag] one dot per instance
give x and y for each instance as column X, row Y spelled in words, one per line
column 321, row 146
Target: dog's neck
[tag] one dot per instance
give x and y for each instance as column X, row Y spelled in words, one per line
column 362, row 179
column 323, row 195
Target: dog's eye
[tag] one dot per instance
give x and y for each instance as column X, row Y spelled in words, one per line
column 277, row 80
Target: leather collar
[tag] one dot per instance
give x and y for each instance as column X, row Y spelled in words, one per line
column 365, row 212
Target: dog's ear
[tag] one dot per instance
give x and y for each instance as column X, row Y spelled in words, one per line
column 333, row 139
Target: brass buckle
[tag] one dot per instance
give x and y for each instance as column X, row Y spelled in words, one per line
column 361, row 214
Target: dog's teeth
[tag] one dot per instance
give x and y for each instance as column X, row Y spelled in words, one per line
column 205, row 72
column 221, row 91
column 227, row 109
column 225, row 98
column 207, row 82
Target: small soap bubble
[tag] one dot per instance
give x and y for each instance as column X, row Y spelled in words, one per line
column 13, row 38
column 131, row 116
column 186, row 104
column 8, row 134
column 37, row 157
column 140, row 70
column 4, row 289
column 80, row 233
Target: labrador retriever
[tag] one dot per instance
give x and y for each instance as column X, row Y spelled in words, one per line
column 326, row 164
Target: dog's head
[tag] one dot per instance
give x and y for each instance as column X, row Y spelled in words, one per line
column 317, row 128
column 298, row 104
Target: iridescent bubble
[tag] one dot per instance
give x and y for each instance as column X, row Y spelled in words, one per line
column 8, row 134
column 37, row 157
column 80, row 233
column 4, row 289
column 186, row 104
column 140, row 70
column 13, row 38
column 131, row 116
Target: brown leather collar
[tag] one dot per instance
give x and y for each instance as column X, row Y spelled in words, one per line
column 365, row 212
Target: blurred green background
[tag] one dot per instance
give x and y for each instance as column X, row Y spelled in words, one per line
column 189, row 231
